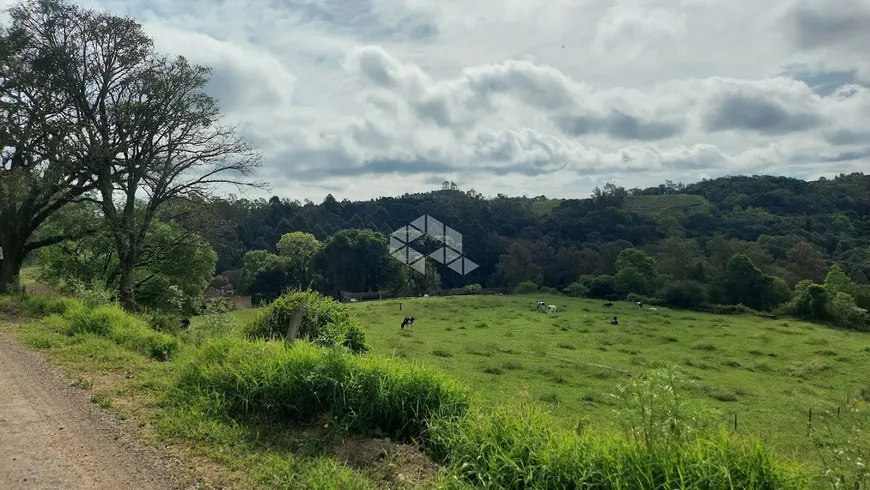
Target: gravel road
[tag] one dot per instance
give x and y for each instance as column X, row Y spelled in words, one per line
column 53, row 437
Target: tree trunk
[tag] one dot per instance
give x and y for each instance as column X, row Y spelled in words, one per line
column 10, row 273
column 10, row 265
column 126, row 284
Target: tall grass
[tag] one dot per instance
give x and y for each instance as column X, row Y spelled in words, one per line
column 303, row 382
column 73, row 317
column 522, row 447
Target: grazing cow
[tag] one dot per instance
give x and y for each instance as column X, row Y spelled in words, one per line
column 614, row 321
column 551, row 309
column 608, row 304
column 540, row 305
column 425, row 295
column 639, row 305
column 409, row 321
column 653, row 308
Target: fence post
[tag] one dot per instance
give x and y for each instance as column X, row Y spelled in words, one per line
column 735, row 422
column 400, row 306
column 838, row 412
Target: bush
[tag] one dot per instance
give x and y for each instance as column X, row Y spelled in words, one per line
column 634, row 298
column 576, row 290
column 325, row 322
column 526, row 287
column 302, row 382
column 729, row 309
column 600, row 287
column 470, row 289
column 684, row 294
column 548, row 290
column 846, row 313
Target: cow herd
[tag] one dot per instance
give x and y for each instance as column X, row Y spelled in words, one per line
column 539, row 306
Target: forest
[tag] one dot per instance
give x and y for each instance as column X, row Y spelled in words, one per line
column 766, row 243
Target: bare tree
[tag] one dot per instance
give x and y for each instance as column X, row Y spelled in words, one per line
column 37, row 175
column 144, row 127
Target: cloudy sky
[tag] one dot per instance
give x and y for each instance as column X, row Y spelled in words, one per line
column 361, row 98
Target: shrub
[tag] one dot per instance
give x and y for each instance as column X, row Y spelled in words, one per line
column 600, row 287
column 526, row 287
column 325, row 322
column 846, row 313
column 729, row 309
column 470, row 289
column 549, row 290
column 577, row 290
column 684, row 294
column 301, row 382
column 90, row 294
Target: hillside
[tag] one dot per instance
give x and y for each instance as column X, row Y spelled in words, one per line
column 676, row 205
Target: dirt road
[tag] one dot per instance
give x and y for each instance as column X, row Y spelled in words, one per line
column 52, row 437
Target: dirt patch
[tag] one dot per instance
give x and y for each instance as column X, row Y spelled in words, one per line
column 9, row 308
column 393, row 464
column 38, row 289
column 242, row 302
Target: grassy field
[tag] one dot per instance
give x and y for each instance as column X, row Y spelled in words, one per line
column 683, row 204
column 543, row 208
column 768, row 372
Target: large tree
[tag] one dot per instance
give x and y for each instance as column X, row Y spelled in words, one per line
column 299, row 248
column 144, row 127
column 38, row 174
column 171, row 256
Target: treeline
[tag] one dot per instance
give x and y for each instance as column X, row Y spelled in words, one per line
column 751, row 241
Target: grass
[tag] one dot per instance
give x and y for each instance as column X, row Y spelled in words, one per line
column 739, row 363
column 543, row 208
column 254, row 412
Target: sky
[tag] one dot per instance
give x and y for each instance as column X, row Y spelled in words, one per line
column 368, row 98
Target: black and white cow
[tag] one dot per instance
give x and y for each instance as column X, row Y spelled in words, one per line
column 409, row 321
column 540, row 306
column 639, row 305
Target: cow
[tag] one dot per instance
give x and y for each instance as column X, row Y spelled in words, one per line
column 614, row 321
column 639, row 305
column 409, row 321
column 653, row 308
column 551, row 309
column 540, row 305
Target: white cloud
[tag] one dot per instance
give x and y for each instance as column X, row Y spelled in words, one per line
column 369, row 97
